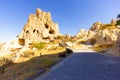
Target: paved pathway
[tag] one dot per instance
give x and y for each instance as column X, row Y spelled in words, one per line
column 85, row 66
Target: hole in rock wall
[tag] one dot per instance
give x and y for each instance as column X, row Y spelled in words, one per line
column 37, row 31
column 46, row 26
column 21, row 41
column 27, row 32
column 52, row 32
column 46, row 37
column 34, row 30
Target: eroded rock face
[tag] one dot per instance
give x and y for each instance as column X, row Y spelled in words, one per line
column 84, row 35
column 39, row 27
column 107, row 35
column 116, row 49
column 96, row 26
column 100, row 33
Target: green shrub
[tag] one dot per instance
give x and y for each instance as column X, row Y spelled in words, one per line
column 108, row 25
column 38, row 45
column 118, row 22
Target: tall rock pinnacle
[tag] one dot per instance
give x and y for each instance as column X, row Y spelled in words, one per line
column 39, row 27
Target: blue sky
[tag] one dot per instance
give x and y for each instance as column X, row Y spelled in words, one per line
column 71, row 15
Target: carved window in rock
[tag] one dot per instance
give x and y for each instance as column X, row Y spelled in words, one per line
column 46, row 26
column 51, row 32
column 27, row 32
column 34, row 30
column 37, row 31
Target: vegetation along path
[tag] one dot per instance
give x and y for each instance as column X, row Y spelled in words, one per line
column 85, row 66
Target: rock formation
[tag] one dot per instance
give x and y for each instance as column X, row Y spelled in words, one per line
column 99, row 33
column 96, row 26
column 84, row 35
column 39, row 27
column 116, row 49
column 107, row 35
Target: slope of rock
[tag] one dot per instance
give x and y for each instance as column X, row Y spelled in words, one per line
column 116, row 49
column 106, row 35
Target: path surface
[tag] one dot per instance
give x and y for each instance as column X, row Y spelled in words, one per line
column 85, row 66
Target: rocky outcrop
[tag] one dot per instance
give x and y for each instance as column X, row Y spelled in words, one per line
column 106, row 35
column 99, row 33
column 96, row 26
column 39, row 27
column 84, row 35
column 116, row 49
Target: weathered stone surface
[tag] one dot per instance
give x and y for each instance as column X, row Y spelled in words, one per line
column 39, row 27
column 99, row 33
column 84, row 35
column 106, row 35
column 96, row 26
column 116, row 49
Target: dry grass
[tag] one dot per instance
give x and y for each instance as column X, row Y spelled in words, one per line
column 30, row 63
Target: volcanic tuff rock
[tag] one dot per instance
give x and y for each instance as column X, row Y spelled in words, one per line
column 84, row 35
column 107, row 35
column 96, row 26
column 39, row 27
column 116, row 49
column 100, row 33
